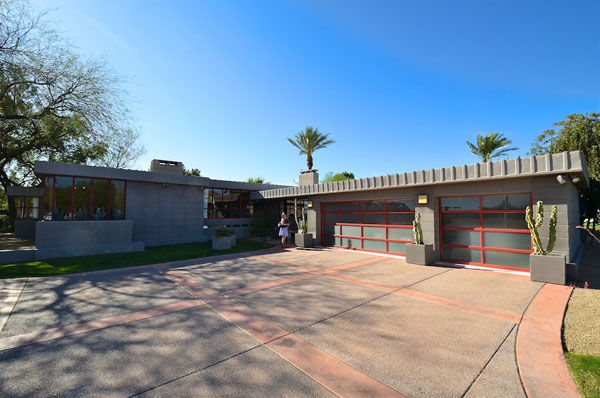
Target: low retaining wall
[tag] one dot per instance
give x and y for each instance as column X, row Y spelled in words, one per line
column 82, row 238
column 25, row 229
column 17, row 256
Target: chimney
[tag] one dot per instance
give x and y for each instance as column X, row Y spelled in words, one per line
column 308, row 177
column 166, row 167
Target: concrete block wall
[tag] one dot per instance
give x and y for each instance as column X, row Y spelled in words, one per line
column 545, row 188
column 241, row 226
column 165, row 214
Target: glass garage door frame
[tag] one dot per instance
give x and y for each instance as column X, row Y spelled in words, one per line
column 486, row 230
column 374, row 225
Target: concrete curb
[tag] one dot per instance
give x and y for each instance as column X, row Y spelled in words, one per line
column 540, row 356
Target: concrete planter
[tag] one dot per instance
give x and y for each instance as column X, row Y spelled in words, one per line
column 420, row 254
column 223, row 242
column 551, row 268
column 304, row 240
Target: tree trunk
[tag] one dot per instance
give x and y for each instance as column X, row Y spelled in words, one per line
column 309, row 161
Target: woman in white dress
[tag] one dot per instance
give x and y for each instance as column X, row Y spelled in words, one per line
column 283, row 229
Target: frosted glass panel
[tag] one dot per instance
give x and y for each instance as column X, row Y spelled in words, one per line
column 507, row 240
column 374, row 232
column 461, row 254
column 508, row 259
column 374, row 245
column 397, row 247
column 330, row 229
column 350, row 231
column 400, row 234
column 351, row 243
column 465, row 238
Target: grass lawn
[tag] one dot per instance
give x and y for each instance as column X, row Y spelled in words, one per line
column 151, row 255
column 586, row 373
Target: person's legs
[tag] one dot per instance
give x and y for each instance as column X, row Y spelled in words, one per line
column 283, row 238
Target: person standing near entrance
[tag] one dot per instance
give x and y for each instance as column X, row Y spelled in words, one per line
column 293, row 229
column 283, row 229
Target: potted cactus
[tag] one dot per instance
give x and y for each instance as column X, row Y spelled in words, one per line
column 303, row 238
column 545, row 266
column 419, row 252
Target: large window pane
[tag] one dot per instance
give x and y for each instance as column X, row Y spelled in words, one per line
column 373, row 218
column 507, row 240
column 461, row 254
column 330, row 229
column 351, row 243
column 348, row 230
column 226, row 205
column 374, row 232
column 397, row 247
column 517, row 260
column 504, row 220
column 505, row 202
column 63, row 199
column 334, row 206
column 353, row 218
column 245, row 204
column 330, row 241
column 331, row 217
column 374, row 245
column 117, row 199
column 48, row 188
column 350, row 206
column 464, row 238
column 100, row 200
column 467, row 203
column 401, row 205
column 378, row 205
column 400, row 218
column 400, row 234
column 81, row 196
column 216, row 204
column 458, row 220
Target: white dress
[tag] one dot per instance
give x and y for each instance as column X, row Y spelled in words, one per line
column 283, row 231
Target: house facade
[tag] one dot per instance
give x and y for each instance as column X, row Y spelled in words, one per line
column 472, row 214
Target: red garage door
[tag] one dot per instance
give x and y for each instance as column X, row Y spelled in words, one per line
column 486, row 230
column 383, row 226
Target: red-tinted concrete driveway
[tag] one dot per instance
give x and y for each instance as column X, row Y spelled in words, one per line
column 294, row 323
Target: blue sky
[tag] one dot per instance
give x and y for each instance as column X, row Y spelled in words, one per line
column 399, row 85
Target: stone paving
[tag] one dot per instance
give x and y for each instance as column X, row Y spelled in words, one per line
column 292, row 324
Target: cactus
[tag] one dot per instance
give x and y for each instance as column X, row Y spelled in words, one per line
column 533, row 226
column 417, row 230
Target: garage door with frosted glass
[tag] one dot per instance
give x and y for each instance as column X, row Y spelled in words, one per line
column 486, row 230
column 373, row 225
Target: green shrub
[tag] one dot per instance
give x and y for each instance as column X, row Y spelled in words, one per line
column 220, row 233
column 4, row 223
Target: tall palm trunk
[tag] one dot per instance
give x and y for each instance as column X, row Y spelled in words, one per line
column 309, row 161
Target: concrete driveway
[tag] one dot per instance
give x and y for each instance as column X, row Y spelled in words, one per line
column 294, row 323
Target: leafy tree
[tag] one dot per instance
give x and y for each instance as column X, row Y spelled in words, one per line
column 331, row 177
column 576, row 133
column 490, row 146
column 54, row 104
column 308, row 141
column 192, row 172
column 257, row 180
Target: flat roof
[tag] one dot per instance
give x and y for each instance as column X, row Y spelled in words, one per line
column 42, row 168
column 534, row 166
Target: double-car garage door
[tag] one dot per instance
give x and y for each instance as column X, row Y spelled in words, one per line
column 484, row 230
column 372, row 225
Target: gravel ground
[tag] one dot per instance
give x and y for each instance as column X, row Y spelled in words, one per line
column 582, row 321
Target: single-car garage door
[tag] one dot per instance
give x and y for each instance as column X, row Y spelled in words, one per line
column 383, row 225
column 486, row 230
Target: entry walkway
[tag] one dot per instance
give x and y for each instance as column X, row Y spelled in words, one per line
column 293, row 323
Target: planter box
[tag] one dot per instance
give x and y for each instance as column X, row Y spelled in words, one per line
column 304, row 240
column 420, row 254
column 223, row 242
column 551, row 268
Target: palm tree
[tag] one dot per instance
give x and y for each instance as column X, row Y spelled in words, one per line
column 491, row 146
column 308, row 141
